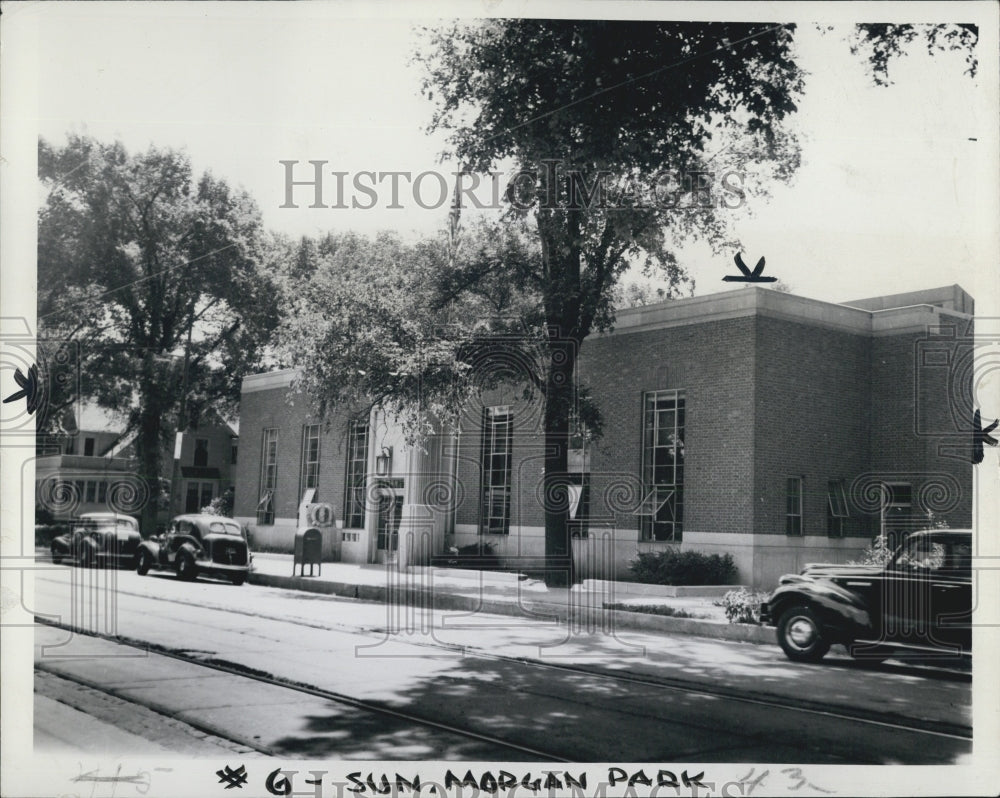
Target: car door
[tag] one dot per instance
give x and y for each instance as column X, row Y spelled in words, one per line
column 951, row 596
column 906, row 612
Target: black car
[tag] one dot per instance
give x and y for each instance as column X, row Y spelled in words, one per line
column 919, row 603
column 198, row 544
column 98, row 539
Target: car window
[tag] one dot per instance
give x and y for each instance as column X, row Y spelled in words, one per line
column 129, row 523
column 222, row 528
column 920, row 554
column 960, row 559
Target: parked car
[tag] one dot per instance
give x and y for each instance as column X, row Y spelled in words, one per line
column 198, row 544
column 98, row 539
column 920, row 602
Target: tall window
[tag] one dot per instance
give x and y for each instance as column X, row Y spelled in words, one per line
column 268, row 477
column 662, row 511
column 897, row 508
column 496, row 457
column 88, row 447
column 793, row 506
column 836, row 508
column 201, row 452
column 579, row 504
column 357, row 466
column 309, row 477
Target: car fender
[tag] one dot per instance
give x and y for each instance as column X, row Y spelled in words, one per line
column 61, row 544
column 838, row 608
column 153, row 548
column 196, row 552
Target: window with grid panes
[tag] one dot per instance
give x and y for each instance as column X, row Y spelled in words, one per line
column 268, row 477
column 309, row 477
column 357, row 467
column 662, row 513
column 836, row 508
column 496, row 469
column 793, row 506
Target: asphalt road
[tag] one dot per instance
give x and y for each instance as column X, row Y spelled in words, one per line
column 482, row 681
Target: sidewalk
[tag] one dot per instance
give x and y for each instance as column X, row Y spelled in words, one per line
column 502, row 593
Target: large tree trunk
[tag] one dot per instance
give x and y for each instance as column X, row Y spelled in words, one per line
column 149, row 466
column 559, row 397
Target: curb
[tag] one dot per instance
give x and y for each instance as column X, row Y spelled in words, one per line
column 590, row 618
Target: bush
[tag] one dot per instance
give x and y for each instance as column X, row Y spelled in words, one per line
column 481, row 555
column 743, row 606
column 221, row 505
column 878, row 553
column 671, row 566
column 652, row 609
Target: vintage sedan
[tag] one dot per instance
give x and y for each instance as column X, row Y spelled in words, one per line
column 198, row 544
column 918, row 604
column 98, row 539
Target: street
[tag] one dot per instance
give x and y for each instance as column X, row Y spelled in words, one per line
column 279, row 671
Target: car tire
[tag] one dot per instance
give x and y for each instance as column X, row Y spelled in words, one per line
column 186, row 569
column 57, row 557
column 142, row 563
column 800, row 635
column 238, row 579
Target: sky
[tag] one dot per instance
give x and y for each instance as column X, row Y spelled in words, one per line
column 891, row 196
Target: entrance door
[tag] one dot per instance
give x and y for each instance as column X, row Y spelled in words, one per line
column 390, row 513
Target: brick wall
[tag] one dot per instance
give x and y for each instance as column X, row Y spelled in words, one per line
column 260, row 410
column 713, row 364
column 922, row 417
column 812, row 420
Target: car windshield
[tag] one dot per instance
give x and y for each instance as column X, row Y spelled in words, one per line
column 222, row 528
column 921, row 553
column 128, row 523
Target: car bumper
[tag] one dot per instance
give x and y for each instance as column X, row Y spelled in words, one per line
column 207, row 566
column 765, row 614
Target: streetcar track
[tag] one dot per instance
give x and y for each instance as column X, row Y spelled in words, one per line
column 799, row 705
column 236, row 669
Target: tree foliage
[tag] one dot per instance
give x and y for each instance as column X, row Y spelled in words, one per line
column 619, row 136
column 159, row 280
column 881, row 43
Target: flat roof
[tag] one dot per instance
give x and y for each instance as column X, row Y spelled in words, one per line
column 753, row 300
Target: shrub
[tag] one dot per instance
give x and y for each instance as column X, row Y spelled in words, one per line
column 481, row 555
column 652, row 609
column 743, row 606
column 671, row 566
column 221, row 505
column 878, row 553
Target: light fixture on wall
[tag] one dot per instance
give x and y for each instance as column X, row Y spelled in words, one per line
column 383, row 463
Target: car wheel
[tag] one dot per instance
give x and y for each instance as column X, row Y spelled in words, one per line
column 800, row 635
column 186, row 569
column 143, row 563
column 56, row 557
column 238, row 579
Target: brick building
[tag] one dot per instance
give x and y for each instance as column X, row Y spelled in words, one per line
column 776, row 428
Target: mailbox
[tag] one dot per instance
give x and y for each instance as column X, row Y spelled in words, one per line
column 308, row 550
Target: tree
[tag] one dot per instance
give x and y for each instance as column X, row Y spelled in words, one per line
column 378, row 322
column 620, row 134
column 160, row 279
column 613, row 128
